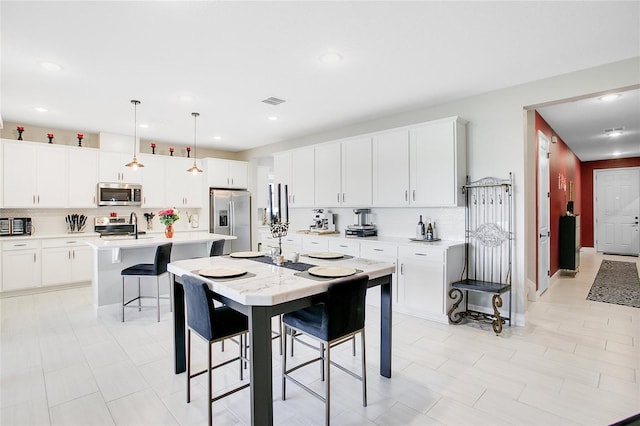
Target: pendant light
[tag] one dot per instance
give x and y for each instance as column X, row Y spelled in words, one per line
column 194, row 169
column 135, row 164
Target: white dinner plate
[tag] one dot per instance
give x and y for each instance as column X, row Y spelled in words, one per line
column 326, row 255
column 222, row 272
column 246, row 254
column 331, row 271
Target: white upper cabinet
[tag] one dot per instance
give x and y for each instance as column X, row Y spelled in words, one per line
column 343, row 173
column 227, row 173
column 391, row 168
column 438, row 163
column 83, row 176
column 357, row 172
column 34, row 175
column 328, row 187
column 113, row 169
column 183, row 189
column 153, row 181
column 296, row 169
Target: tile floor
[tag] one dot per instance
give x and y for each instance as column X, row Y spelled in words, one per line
column 576, row 362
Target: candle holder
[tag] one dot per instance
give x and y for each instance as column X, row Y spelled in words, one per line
column 153, row 148
column 279, row 230
column 50, row 136
column 20, row 130
column 80, row 137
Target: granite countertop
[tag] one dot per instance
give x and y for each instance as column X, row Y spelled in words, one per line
column 154, row 239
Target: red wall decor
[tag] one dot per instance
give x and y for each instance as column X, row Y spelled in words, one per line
column 586, row 171
column 565, row 177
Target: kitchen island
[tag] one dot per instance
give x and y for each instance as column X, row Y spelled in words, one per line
column 113, row 254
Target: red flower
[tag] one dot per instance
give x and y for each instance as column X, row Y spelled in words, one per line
column 188, row 148
column 49, row 135
column 21, row 128
column 171, row 149
column 153, row 145
column 80, row 136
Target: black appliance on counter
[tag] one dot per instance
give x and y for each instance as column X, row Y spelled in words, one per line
column 12, row 226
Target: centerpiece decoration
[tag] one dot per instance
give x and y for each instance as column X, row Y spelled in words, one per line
column 167, row 218
column 153, row 148
column 278, row 215
column 20, row 130
column 50, row 137
column 80, row 137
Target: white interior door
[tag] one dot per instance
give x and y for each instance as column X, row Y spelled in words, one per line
column 617, row 207
column 543, row 213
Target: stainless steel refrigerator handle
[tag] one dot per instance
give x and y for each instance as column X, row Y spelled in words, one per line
column 231, row 217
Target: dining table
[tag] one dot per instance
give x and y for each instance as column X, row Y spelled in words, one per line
column 253, row 284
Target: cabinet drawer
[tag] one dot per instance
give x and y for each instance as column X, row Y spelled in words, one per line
column 375, row 251
column 421, row 253
column 315, row 244
column 351, row 248
column 64, row 242
column 20, row 245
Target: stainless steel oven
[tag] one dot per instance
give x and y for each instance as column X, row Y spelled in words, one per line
column 119, row 194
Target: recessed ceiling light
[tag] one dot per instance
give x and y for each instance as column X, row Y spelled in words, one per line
column 272, row 118
column 50, row 66
column 217, row 138
column 41, row 109
column 616, row 153
column 330, row 58
column 144, row 126
column 609, row 97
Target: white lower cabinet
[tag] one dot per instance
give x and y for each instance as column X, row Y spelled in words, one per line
column 424, row 277
column 20, row 265
column 348, row 247
column 384, row 253
column 315, row 243
column 65, row 261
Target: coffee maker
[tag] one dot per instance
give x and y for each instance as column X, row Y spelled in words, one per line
column 361, row 227
column 322, row 222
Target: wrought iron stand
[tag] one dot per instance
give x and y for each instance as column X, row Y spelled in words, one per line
column 488, row 251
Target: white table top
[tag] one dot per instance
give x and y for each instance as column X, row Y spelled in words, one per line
column 152, row 240
column 272, row 284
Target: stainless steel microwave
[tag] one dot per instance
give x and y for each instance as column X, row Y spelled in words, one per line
column 119, row 194
column 15, row 226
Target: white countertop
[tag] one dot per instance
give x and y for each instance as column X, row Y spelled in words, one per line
column 154, row 239
column 384, row 240
column 272, row 284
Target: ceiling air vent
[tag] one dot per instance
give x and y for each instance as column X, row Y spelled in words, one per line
column 273, row 101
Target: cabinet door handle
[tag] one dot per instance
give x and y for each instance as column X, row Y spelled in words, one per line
column 377, row 249
column 420, row 254
column 231, row 181
column 314, row 242
column 71, row 242
column 402, row 269
column 69, row 254
column 74, row 254
column 414, row 195
column 34, row 199
column 94, row 199
column 406, row 195
column 342, row 245
column 38, row 198
column 343, row 197
column 19, row 245
column 34, row 258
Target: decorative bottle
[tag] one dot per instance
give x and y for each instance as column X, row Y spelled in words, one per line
column 429, row 233
column 420, row 229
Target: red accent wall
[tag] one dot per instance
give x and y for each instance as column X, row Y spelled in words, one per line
column 564, row 168
column 586, row 170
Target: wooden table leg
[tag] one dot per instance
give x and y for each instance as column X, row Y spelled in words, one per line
column 261, row 365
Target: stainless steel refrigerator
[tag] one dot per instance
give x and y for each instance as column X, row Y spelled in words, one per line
column 230, row 214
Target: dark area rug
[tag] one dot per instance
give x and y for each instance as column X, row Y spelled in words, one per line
column 616, row 282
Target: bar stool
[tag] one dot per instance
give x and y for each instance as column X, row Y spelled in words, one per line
column 331, row 323
column 217, row 248
column 212, row 325
column 155, row 269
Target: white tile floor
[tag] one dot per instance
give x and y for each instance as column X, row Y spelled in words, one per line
column 576, row 362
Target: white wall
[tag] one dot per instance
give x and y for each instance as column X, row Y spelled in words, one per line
column 496, row 137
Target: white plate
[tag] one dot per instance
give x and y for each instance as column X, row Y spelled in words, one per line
column 325, row 255
column 222, row 272
column 246, row 254
column 331, row 271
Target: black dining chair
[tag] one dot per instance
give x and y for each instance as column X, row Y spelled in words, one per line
column 142, row 270
column 217, row 248
column 332, row 322
column 212, row 325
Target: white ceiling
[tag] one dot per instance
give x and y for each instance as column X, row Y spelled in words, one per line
column 581, row 125
column 222, row 58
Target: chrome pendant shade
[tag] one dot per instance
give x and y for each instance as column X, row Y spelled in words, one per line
column 135, row 164
column 194, row 169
